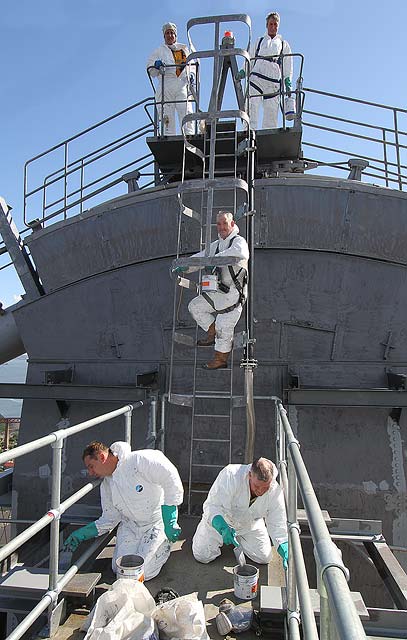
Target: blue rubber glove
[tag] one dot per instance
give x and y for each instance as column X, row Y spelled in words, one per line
column 227, row 533
column 287, row 83
column 241, row 74
column 158, row 64
column 171, row 526
column 192, row 79
column 283, row 552
column 87, row 532
column 179, row 269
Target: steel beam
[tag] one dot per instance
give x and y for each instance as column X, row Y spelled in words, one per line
column 390, row 571
column 73, row 392
column 385, row 398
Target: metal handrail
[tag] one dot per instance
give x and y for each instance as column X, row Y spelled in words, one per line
column 383, row 172
column 61, row 175
column 338, row 615
column 52, row 517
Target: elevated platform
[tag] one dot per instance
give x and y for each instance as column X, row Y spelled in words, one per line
column 272, row 145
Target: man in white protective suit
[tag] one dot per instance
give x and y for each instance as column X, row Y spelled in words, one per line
column 245, row 506
column 218, row 312
column 174, row 79
column 267, row 75
column 140, row 492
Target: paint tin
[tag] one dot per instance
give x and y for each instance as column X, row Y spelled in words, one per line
column 130, row 567
column 209, row 283
column 245, row 581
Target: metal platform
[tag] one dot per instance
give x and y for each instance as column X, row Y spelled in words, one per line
column 272, row 145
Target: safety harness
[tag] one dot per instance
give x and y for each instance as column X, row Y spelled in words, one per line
column 240, row 286
column 263, row 77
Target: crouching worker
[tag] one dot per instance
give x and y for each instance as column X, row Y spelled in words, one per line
column 217, row 312
column 140, row 492
column 245, row 501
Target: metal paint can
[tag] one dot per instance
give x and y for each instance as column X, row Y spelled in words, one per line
column 245, row 581
column 209, row 283
column 130, row 567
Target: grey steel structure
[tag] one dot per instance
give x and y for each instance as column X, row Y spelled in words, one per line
column 329, row 304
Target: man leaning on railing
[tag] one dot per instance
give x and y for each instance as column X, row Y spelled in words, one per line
column 168, row 65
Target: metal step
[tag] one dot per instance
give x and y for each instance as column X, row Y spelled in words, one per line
column 211, row 415
column 209, row 440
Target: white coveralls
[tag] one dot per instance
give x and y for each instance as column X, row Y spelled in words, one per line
column 132, row 496
column 265, row 77
column 175, row 87
column 230, row 497
column 203, row 312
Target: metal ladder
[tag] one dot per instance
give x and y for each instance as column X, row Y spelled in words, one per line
column 214, row 396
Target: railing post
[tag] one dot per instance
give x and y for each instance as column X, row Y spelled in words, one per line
column 152, row 424
column 161, row 440
column 81, row 187
column 55, row 506
column 396, row 140
column 386, row 170
column 54, row 526
column 127, row 425
column 292, row 604
column 65, row 178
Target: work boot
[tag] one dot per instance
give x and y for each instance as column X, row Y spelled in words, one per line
column 210, row 337
column 220, row 361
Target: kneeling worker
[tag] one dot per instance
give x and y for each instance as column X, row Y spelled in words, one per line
column 140, row 492
column 245, row 501
column 218, row 312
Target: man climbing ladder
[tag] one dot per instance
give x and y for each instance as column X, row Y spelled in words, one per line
column 218, row 312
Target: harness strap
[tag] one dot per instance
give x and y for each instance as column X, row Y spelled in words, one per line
column 211, row 302
column 256, row 86
column 260, row 75
column 239, row 286
column 276, row 60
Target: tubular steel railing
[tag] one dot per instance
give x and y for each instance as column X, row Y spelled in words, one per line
column 52, row 517
column 72, row 171
column 332, row 133
column 338, row 615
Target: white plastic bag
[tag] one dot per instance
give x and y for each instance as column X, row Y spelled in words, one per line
column 181, row 619
column 122, row 613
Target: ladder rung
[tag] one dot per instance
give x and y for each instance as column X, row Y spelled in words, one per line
column 209, row 440
column 211, row 415
column 199, row 491
column 214, row 466
column 208, row 393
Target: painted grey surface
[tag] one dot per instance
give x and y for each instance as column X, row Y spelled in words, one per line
column 330, row 306
column 11, row 345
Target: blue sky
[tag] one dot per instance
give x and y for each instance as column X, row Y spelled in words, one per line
column 67, row 64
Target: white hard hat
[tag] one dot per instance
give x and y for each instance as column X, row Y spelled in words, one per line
column 170, row 25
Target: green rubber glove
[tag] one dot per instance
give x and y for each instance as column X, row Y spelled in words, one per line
column 241, row 74
column 287, row 83
column 171, row 526
column 179, row 269
column 87, row 532
column 227, row 533
column 283, row 552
